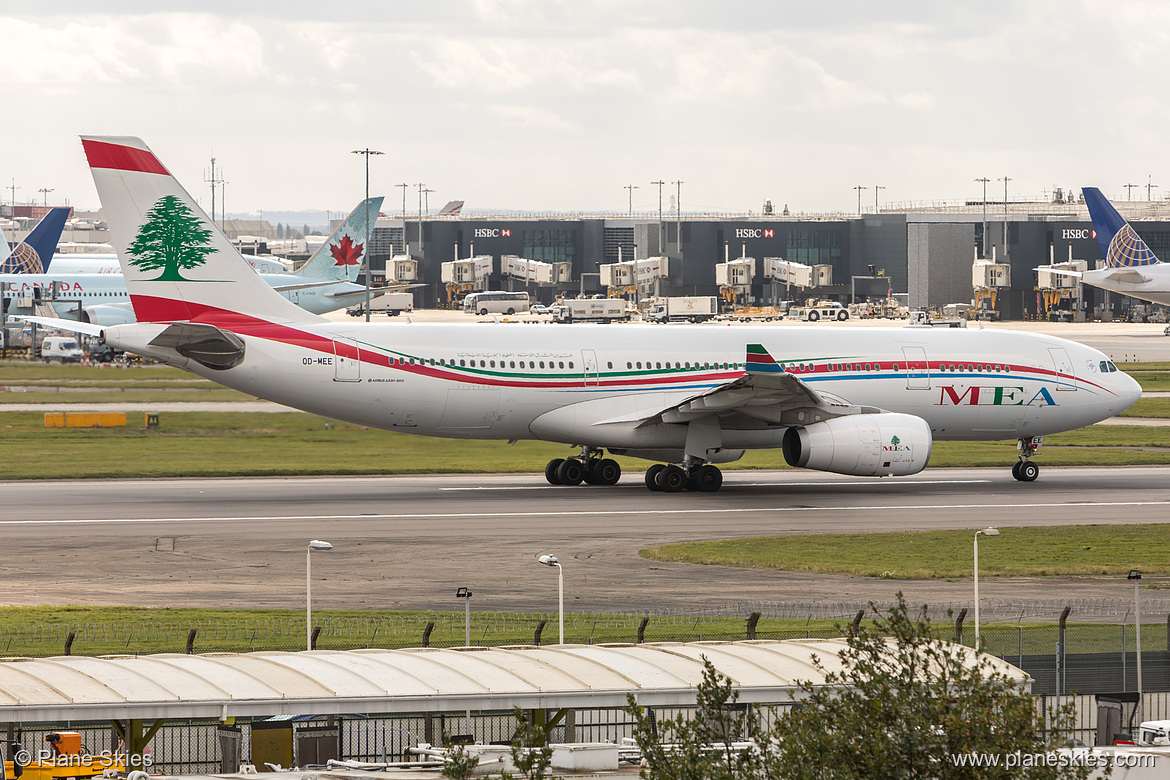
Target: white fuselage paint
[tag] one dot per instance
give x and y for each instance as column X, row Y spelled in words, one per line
column 1018, row 384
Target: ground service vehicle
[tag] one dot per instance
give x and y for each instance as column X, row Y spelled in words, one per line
column 62, row 348
column 690, row 308
column 589, row 310
column 387, row 303
column 821, row 310
column 495, row 302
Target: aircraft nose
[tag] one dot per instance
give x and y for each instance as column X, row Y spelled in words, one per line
column 1132, row 392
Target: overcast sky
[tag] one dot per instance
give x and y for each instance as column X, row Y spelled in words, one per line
column 546, row 105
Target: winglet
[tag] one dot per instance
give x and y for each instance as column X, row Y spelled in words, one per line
column 760, row 362
column 1120, row 244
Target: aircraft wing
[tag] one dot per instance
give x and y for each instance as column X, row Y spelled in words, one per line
column 74, row 326
column 1127, row 276
column 1062, row 272
column 376, row 290
column 765, row 392
column 303, row 285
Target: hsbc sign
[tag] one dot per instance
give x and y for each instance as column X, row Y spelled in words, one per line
column 755, row 233
column 493, row 233
column 1072, row 234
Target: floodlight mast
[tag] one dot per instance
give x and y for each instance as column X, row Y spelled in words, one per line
column 551, row 560
column 984, row 532
column 315, row 544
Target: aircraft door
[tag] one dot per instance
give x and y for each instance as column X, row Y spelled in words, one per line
column 347, row 366
column 1066, row 378
column 917, row 368
column 589, row 363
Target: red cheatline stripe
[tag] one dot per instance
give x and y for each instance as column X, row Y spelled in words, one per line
column 121, row 158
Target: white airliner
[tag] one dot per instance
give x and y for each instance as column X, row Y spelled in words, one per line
column 322, row 285
column 859, row 401
column 1131, row 267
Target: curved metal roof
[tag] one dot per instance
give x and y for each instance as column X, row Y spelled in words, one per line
column 323, row 682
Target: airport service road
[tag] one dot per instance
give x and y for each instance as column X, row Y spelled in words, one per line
column 409, row 542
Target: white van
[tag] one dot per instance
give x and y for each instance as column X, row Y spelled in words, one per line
column 63, row 348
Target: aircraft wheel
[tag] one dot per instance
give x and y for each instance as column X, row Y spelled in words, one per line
column 1016, row 469
column 652, row 476
column 813, row 316
column 671, row 479
column 1028, row 471
column 707, row 478
column 571, row 472
column 607, row 471
column 550, row 471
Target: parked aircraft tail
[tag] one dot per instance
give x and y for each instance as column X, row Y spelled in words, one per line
column 344, row 254
column 177, row 264
column 33, row 255
column 1120, row 244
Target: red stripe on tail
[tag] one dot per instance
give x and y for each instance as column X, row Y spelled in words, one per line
column 121, row 158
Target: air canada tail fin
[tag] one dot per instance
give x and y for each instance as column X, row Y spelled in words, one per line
column 177, row 264
column 33, row 255
column 344, row 254
column 1120, row 244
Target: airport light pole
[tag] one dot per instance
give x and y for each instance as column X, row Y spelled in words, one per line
column 1007, row 251
column 660, row 182
column 1136, row 576
column 367, row 153
column 678, row 215
column 984, row 532
column 551, row 560
column 465, row 594
column 45, row 195
column 984, row 180
column 315, row 544
column 859, row 188
column 631, row 188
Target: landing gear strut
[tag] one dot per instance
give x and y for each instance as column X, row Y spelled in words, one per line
column 671, row 478
column 590, row 467
column 1024, row 469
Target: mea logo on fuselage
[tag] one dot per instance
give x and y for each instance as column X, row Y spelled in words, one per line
column 993, row 395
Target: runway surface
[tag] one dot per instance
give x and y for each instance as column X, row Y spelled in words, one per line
column 409, row 542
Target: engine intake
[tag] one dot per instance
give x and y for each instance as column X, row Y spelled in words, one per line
column 861, row 445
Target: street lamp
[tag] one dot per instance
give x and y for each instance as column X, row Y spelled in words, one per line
column 316, row 544
column 1136, row 576
column 984, row 532
column 366, row 249
column 551, row 560
column 465, row 594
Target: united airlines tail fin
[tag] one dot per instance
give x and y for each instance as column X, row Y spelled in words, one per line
column 33, row 255
column 1120, row 244
column 344, row 254
column 177, row 264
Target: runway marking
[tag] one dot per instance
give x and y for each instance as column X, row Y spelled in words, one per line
column 601, row 513
column 754, row 484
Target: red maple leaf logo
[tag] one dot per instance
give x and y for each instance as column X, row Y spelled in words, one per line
column 346, row 252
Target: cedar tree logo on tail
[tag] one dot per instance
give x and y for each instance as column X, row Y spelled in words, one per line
column 347, row 253
column 172, row 238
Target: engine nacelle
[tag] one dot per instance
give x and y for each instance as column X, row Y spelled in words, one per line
column 108, row 314
column 862, row 445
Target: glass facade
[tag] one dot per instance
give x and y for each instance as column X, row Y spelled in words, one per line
column 550, row 246
column 616, row 237
column 815, row 247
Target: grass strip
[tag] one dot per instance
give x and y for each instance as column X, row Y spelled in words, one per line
column 1073, row 550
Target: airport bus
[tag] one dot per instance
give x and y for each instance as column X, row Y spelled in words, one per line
column 495, row 302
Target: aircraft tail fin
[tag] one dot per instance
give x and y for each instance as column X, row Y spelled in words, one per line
column 344, row 254
column 1120, row 244
column 760, row 361
column 177, row 264
column 33, row 255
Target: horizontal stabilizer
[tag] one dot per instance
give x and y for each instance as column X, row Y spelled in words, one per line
column 73, row 326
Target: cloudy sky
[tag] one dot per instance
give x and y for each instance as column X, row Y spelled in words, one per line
column 545, row 105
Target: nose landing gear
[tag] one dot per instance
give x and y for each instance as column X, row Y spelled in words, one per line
column 1024, row 469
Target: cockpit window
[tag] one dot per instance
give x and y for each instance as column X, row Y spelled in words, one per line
column 1112, row 367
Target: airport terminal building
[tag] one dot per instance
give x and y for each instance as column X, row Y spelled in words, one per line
column 924, row 252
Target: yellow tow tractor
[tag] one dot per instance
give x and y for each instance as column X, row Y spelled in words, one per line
column 64, row 759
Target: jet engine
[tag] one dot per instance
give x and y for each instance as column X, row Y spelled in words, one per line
column 108, row 314
column 862, row 445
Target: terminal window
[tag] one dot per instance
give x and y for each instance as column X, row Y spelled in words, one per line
column 550, row 246
column 815, row 247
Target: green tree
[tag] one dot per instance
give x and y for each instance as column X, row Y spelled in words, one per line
column 172, row 238
column 895, row 703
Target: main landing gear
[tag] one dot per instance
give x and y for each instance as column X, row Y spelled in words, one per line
column 1024, row 469
column 669, row 478
column 590, row 467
